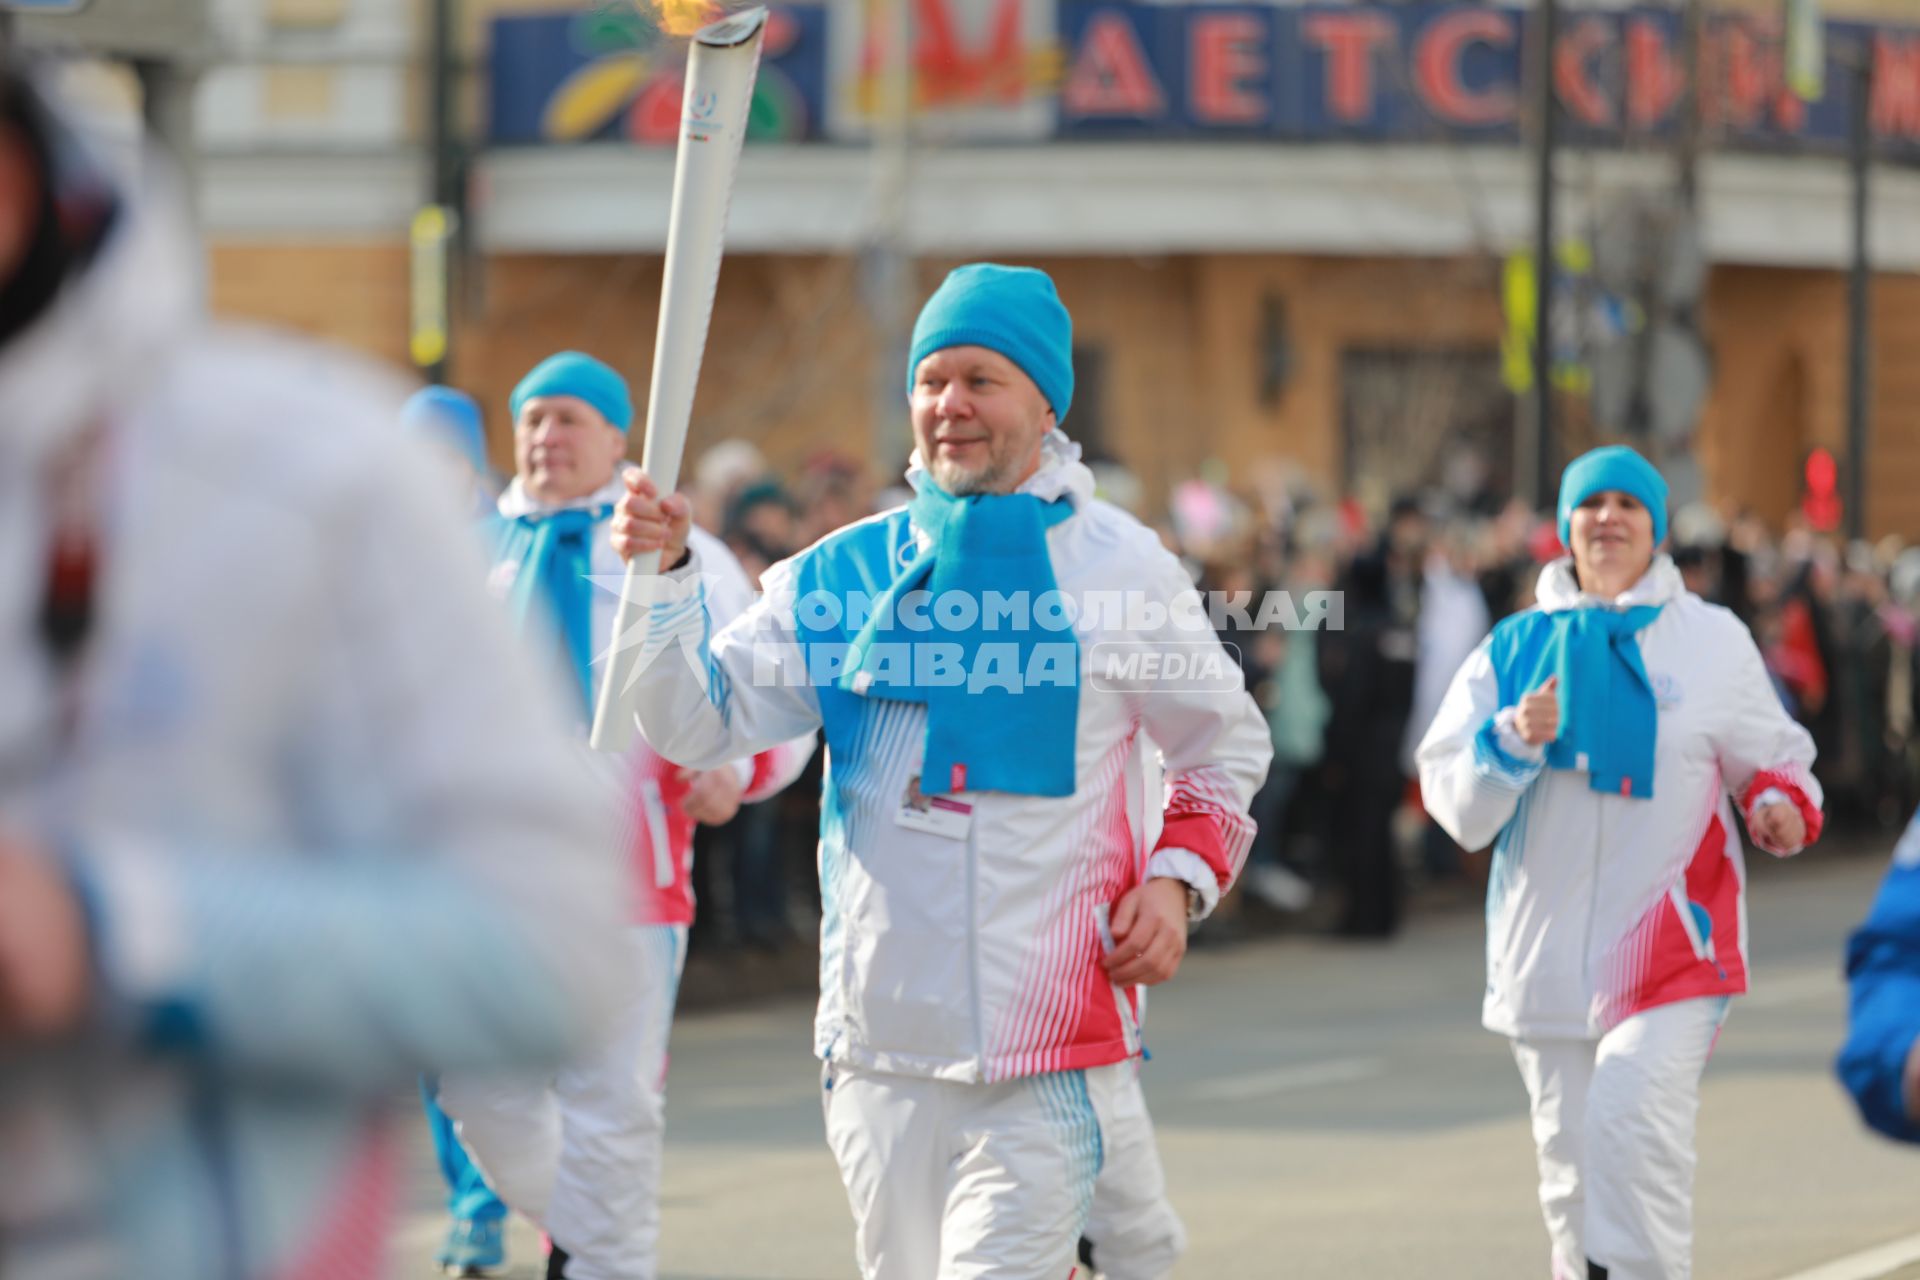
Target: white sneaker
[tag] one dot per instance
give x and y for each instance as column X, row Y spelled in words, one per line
column 1279, row 888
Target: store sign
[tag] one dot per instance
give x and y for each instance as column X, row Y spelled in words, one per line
column 603, row 74
column 983, row 70
column 1427, row 73
column 1088, row 69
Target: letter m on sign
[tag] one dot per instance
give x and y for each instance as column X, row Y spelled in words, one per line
column 951, row 71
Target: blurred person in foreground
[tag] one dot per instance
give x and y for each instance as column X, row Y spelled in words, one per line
column 991, row 904
column 1594, row 740
column 269, row 765
column 1880, row 1061
column 578, row 1151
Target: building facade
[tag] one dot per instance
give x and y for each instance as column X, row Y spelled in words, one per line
column 1283, row 228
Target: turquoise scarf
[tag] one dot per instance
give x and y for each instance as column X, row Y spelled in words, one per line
column 1609, row 719
column 555, row 555
column 981, row 735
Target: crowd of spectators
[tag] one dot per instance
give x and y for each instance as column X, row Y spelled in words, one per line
column 1344, row 844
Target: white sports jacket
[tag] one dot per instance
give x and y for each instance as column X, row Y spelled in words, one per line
column 974, row 955
column 1600, row 906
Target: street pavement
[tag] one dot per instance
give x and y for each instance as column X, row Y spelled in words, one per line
column 1333, row 1110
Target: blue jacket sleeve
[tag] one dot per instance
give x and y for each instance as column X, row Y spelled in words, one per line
column 1883, row 974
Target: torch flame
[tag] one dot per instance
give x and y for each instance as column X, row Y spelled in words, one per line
column 680, row 17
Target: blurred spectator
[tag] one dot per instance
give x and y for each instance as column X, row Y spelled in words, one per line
column 1696, row 570
column 1297, row 710
column 1368, row 672
column 1506, row 563
column 760, row 527
column 721, row 474
column 1230, row 582
column 1452, row 621
column 1839, row 633
column 1209, row 521
column 831, row 492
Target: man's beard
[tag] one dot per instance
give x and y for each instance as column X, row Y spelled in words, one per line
column 991, row 477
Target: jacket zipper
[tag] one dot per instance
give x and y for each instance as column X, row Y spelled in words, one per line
column 973, row 943
column 1593, row 895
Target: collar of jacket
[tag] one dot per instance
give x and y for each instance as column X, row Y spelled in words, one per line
column 516, row 502
column 1558, row 588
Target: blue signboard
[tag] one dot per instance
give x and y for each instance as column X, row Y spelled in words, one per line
column 1414, row 73
column 604, row 74
column 1402, row 73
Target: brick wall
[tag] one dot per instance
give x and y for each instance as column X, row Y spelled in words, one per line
column 791, row 366
column 353, row 294
column 1780, row 340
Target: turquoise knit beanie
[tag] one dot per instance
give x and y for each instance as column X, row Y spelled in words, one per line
column 1012, row 310
column 1613, row 466
column 582, row 377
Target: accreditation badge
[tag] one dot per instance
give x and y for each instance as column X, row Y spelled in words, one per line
column 941, row 816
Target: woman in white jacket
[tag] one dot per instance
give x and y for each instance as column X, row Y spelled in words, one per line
column 1595, row 741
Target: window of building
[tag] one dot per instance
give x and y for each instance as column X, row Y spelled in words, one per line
column 1416, row 419
column 1086, row 421
column 298, row 93
column 307, row 14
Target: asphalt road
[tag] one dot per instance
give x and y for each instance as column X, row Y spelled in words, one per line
column 1334, row 1110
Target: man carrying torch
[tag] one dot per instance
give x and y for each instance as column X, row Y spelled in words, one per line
column 980, row 953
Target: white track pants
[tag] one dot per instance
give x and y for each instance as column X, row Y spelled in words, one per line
column 969, row 1181
column 1135, row 1232
column 1613, row 1128
column 579, row 1152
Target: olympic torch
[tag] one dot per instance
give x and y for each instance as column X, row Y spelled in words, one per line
column 721, row 66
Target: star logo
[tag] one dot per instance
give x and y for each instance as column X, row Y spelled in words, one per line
column 667, row 615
